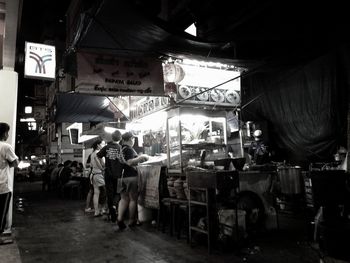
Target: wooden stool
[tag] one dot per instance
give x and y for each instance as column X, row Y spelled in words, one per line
column 173, row 215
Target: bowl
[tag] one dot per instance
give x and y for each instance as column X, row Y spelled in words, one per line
column 238, row 163
column 220, row 167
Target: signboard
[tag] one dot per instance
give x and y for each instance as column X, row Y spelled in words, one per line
column 148, row 182
column 207, row 77
column 196, row 86
column 110, row 75
column 147, row 106
column 40, row 61
column 39, row 112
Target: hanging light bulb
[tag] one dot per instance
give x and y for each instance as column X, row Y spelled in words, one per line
column 118, row 106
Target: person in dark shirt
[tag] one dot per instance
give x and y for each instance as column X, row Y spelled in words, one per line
column 129, row 191
column 66, row 173
column 114, row 162
column 258, row 150
column 46, row 184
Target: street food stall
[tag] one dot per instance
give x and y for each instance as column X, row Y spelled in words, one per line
column 188, row 118
column 201, row 131
column 188, row 127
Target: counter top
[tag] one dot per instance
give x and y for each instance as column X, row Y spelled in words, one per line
column 156, row 160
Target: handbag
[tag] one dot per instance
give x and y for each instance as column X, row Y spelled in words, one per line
column 120, row 185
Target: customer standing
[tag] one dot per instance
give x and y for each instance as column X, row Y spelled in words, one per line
column 129, row 192
column 98, row 180
column 90, row 194
column 8, row 159
column 114, row 162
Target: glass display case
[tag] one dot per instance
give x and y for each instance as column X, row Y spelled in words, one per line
column 195, row 137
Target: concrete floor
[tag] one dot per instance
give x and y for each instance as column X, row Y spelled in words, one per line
column 50, row 229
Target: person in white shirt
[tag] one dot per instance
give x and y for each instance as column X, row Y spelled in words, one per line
column 98, row 180
column 8, row 159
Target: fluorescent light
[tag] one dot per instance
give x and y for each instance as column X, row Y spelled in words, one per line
column 109, row 129
column 32, row 126
column 23, row 165
column 106, row 102
column 85, row 138
column 75, row 125
column 192, row 30
column 28, row 109
column 27, row 120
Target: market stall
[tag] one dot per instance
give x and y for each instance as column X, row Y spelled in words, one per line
column 189, row 121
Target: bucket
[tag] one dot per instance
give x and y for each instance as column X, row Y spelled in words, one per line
column 290, row 179
column 144, row 214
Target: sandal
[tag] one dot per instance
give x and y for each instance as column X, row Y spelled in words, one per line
column 121, row 225
column 133, row 224
column 4, row 241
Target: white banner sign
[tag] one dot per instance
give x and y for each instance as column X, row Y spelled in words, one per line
column 40, row 61
column 210, row 77
column 113, row 76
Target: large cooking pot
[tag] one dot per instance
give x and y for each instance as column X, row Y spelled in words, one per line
column 290, row 179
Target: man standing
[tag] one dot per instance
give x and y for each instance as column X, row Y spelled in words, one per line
column 258, row 150
column 114, row 162
column 8, row 159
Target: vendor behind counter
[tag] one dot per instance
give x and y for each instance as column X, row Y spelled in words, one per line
column 258, row 151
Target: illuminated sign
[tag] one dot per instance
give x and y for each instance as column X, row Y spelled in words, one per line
column 148, row 105
column 40, row 61
column 197, row 86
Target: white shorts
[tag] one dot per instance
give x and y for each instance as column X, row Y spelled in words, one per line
column 98, row 180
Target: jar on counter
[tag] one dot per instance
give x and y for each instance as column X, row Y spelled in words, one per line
column 179, row 188
column 171, row 188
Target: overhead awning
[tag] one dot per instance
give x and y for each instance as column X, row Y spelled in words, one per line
column 118, row 27
column 72, row 107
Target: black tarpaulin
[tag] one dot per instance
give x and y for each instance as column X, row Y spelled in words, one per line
column 305, row 107
column 118, row 27
column 73, row 107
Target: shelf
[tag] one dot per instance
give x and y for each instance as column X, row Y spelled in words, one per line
column 175, row 172
column 174, row 146
column 194, row 228
column 202, row 146
column 199, row 188
column 198, row 203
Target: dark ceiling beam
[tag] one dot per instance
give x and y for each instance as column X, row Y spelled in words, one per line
column 223, row 27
